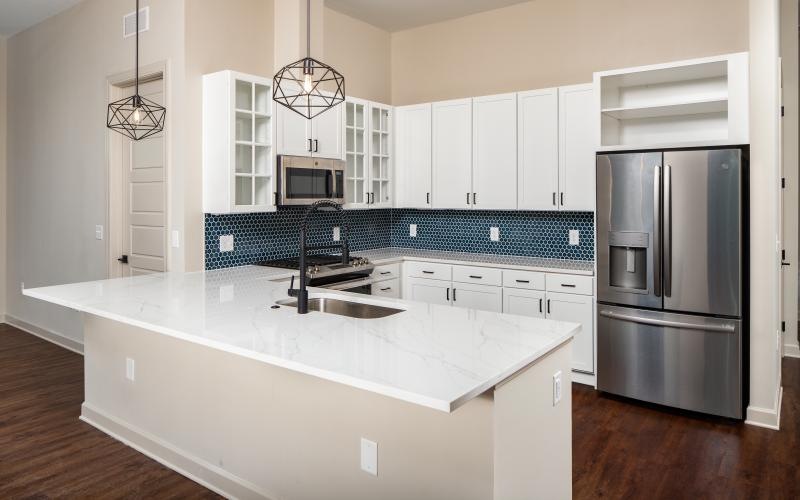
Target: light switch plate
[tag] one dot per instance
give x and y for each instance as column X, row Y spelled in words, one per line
column 412, row 230
column 176, row 238
column 98, row 232
column 130, row 369
column 556, row 388
column 337, row 233
column 494, row 233
column 369, row 456
column 574, row 237
column 226, row 243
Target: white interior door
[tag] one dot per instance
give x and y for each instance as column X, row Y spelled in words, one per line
column 494, row 151
column 144, row 215
column 452, row 154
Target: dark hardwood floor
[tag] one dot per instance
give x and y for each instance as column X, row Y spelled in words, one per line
column 621, row 449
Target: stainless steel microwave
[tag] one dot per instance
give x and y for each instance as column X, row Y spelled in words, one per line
column 302, row 180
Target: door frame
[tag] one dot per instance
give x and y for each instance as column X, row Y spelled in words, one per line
column 116, row 84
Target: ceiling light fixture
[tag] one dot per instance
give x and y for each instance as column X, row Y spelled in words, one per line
column 136, row 116
column 300, row 86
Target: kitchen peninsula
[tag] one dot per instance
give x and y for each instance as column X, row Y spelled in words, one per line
column 203, row 372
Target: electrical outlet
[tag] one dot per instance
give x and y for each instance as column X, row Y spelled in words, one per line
column 494, row 233
column 337, row 233
column 412, row 230
column 98, row 232
column 369, row 456
column 556, row 388
column 176, row 239
column 574, row 237
column 130, row 369
column 226, row 243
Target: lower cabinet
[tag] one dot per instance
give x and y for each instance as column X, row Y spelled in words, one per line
column 483, row 297
column 575, row 309
column 524, row 302
column 389, row 288
column 427, row 290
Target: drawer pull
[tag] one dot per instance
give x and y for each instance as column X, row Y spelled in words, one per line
column 386, row 289
column 567, row 285
column 476, row 277
column 540, row 306
column 522, row 281
column 427, row 272
column 386, row 272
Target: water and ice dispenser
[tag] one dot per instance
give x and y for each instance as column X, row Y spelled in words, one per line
column 628, row 259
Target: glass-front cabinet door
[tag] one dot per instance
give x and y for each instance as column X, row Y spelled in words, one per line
column 355, row 131
column 253, row 148
column 380, row 157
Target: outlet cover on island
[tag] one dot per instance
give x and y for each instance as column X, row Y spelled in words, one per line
column 494, row 233
column 556, row 387
column 412, row 230
column 226, row 243
column 369, row 456
column 574, row 237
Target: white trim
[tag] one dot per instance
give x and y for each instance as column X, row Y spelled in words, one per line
column 791, row 351
column 766, row 417
column 195, row 468
column 585, row 379
column 57, row 338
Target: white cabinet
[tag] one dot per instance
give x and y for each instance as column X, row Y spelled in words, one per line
column 575, row 309
column 427, row 290
column 524, row 302
column 494, row 152
column 537, row 149
column 368, row 154
column 452, row 154
column 237, row 143
column 389, row 288
column 356, row 144
column 413, row 156
column 482, row 297
column 320, row 137
column 576, row 169
column 380, row 193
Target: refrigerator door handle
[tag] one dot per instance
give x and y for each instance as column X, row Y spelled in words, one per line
column 667, row 323
column 657, row 232
column 667, row 230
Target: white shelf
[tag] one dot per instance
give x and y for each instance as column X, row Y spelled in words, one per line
column 702, row 106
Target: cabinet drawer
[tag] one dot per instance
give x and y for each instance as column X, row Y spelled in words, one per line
column 428, row 270
column 569, row 283
column 389, row 288
column 387, row 272
column 529, row 280
column 477, row 275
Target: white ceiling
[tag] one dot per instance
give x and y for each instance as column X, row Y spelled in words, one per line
column 396, row 15
column 16, row 15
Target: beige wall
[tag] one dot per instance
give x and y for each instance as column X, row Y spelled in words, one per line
column 791, row 134
column 765, row 336
column 557, row 42
column 220, row 34
column 3, row 211
column 57, row 165
column 362, row 53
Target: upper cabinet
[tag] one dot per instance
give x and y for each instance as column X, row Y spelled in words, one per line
column 320, row 137
column 700, row 102
column 452, row 154
column 577, row 148
column 537, row 149
column 413, row 156
column 368, row 153
column 494, row 152
column 237, row 143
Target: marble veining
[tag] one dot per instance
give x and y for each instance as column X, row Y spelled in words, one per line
column 435, row 356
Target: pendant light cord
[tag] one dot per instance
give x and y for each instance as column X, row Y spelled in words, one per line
column 137, row 50
column 308, row 28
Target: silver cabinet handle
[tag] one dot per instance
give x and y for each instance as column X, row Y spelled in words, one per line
column 657, row 232
column 667, row 231
column 667, row 323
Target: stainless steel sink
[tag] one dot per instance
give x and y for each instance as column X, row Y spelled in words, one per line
column 344, row 307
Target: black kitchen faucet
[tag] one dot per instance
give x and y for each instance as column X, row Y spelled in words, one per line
column 302, row 293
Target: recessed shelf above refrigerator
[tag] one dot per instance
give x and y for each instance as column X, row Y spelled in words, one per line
column 701, row 101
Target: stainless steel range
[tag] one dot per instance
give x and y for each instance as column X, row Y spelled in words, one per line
column 328, row 271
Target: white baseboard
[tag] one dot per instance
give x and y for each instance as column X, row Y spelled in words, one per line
column 769, row 418
column 45, row 334
column 791, row 351
column 198, row 470
column 585, row 379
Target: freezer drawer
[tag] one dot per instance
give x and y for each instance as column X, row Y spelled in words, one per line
column 677, row 360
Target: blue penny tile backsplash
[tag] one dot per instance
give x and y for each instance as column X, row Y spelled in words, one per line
column 275, row 235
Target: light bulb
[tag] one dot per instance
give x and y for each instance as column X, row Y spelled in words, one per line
column 308, row 84
column 137, row 116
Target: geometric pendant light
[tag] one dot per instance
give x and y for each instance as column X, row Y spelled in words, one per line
column 308, row 87
column 136, row 116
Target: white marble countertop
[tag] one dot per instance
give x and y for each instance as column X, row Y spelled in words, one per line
column 435, row 356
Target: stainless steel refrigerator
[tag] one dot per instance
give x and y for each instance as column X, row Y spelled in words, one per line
column 670, row 278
